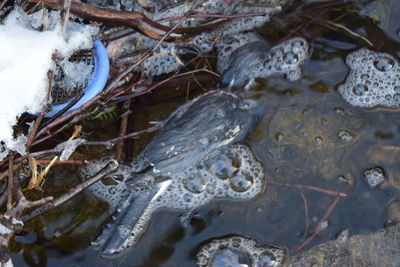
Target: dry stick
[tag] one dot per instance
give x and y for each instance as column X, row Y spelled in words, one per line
column 6, row 172
column 131, row 19
column 62, row 128
column 215, row 16
column 310, row 187
column 10, row 181
column 305, row 211
column 122, row 129
column 110, row 167
column 114, row 82
column 63, row 162
column 318, row 229
column 127, row 136
column 148, row 90
column 34, row 130
column 2, row 4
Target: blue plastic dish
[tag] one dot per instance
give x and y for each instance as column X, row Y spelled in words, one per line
column 95, row 84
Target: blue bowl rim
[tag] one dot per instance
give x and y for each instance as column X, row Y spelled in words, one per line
column 96, row 84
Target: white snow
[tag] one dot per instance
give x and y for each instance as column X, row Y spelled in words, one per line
column 25, row 55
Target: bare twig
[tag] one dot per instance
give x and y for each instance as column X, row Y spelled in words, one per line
column 305, row 212
column 33, row 131
column 127, row 136
column 215, row 16
column 110, row 167
column 2, row 4
column 318, row 229
column 122, row 129
column 63, row 162
column 310, row 187
column 10, row 181
column 151, row 88
column 131, row 19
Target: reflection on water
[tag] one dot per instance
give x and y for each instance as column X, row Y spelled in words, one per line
column 310, row 136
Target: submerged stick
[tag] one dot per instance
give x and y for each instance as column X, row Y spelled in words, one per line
column 106, row 170
column 318, row 229
column 310, row 187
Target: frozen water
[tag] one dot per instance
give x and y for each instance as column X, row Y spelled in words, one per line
column 188, row 169
column 186, row 190
column 375, row 176
column 373, row 80
column 242, row 64
column 238, row 250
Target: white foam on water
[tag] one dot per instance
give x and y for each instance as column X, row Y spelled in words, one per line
column 189, row 189
column 373, row 80
column 198, row 186
column 258, row 255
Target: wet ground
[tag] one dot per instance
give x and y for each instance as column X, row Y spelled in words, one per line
column 310, row 136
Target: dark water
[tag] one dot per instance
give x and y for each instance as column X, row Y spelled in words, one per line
column 297, row 142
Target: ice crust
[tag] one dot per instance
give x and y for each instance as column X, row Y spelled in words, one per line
column 238, row 245
column 231, row 172
column 25, row 60
column 373, row 80
column 167, row 56
column 243, row 58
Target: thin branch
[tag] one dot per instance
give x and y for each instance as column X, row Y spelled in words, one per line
column 310, row 187
column 10, row 181
column 109, row 168
column 215, row 16
column 318, row 229
column 122, row 129
column 305, row 212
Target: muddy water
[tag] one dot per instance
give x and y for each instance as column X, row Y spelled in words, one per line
column 310, row 136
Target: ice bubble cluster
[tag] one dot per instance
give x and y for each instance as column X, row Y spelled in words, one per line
column 239, row 251
column 375, row 176
column 162, row 62
column 374, row 80
column 242, row 59
column 112, row 189
column 231, row 172
column 168, row 54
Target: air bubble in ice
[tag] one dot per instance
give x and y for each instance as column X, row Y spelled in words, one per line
column 360, row 90
column 384, row 63
column 375, row 176
column 196, row 184
column 372, row 79
column 241, row 182
column 239, row 251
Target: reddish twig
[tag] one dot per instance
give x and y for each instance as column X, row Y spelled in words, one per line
column 310, row 187
column 305, row 212
column 34, row 130
column 112, row 83
column 318, row 229
column 151, row 88
column 131, row 19
column 215, row 16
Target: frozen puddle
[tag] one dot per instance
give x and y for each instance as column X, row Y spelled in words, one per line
column 231, row 172
column 374, row 80
column 243, row 58
column 239, row 251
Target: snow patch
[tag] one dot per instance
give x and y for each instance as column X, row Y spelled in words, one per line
column 25, row 60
